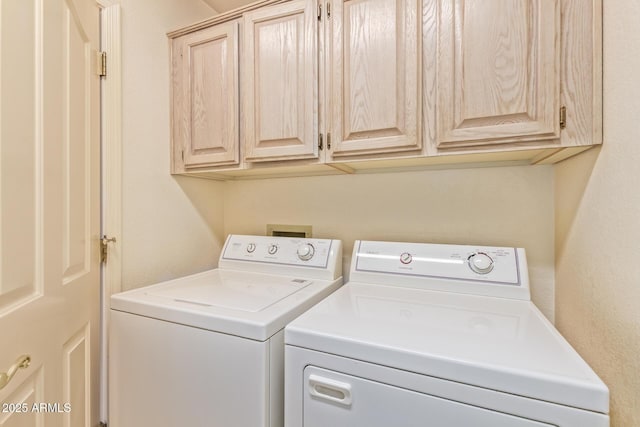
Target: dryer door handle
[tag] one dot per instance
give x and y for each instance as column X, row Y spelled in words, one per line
column 330, row 390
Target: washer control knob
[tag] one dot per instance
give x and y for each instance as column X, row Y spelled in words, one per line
column 273, row 248
column 480, row 263
column 306, row 251
column 251, row 247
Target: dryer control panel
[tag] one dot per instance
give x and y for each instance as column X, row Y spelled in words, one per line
column 482, row 270
column 257, row 252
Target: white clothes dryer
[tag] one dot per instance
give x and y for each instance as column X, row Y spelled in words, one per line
column 438, row 336
column 208, row 349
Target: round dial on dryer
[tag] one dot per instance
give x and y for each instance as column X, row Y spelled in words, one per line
column 306, row 251
column 273, row 248
column 406, row 258
column 251, row 247
column 480, row 263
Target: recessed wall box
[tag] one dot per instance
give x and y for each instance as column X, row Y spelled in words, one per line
column 285, row 230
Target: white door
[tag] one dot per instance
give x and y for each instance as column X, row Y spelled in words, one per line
column 338, row 400
column 49, row 211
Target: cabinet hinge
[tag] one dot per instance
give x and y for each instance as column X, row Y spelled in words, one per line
column 563, row 117
column 102, row 64
column 104, row 247
column 319, row 12
column 328, row 10
column 320, row 143
column 328, row 140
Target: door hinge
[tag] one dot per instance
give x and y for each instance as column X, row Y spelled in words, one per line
column 102, row 64
column 328, row 10
column 320, row 143
column 563, row 117
column 320, row 12
column 182, row 152
column 328, row 140
column 104, row 247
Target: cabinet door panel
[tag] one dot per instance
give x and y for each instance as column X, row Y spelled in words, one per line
column 208, row 117
column 498, row 71
column 280, row 89
column 374, row 73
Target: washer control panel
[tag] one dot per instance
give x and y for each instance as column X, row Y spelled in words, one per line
column 278, row 250
column 497, row 265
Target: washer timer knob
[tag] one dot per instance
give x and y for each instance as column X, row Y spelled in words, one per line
column 251, row 247
column 273, row 248
column 306, row 251
column 480, row 263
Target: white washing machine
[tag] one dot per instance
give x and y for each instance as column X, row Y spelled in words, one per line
column 208, row 349
column 438, row 336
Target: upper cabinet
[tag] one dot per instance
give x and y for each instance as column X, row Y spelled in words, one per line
column 373, row 68
column 320, row 86
column 512, row 79
column 365, row 85
column 498, row 71
column 280, row 82
column 205, row 91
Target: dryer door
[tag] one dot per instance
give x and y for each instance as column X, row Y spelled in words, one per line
column 338, row 400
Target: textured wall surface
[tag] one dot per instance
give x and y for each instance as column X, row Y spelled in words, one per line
column 508, row 206
column 171, row 225
column 598, row 227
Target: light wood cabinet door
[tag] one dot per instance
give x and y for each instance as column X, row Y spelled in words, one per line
column 374, row 84
column 206, row 98
column 280, row 82
column 498, row 77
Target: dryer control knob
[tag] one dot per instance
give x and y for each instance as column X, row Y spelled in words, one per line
column 251, row 247
column 306, row 251
column 406, row 258
column 273, row 248
column 480, row 263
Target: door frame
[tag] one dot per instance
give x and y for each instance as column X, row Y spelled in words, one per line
column 111, row 177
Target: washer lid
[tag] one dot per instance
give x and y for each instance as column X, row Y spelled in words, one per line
column 251, row 305
column 501, row 344
column 231, row 290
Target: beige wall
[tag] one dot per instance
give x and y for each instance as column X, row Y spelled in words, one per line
column 598, row 227
column 171, row 226
column 509, row 206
